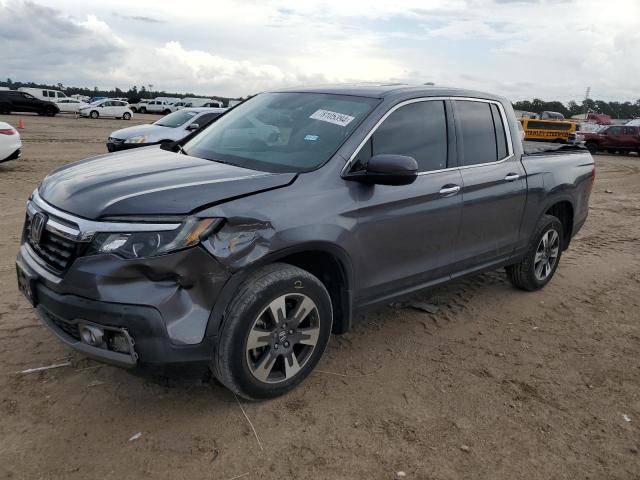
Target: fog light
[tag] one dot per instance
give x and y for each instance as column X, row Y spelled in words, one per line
column 119, row 343
column 91, row 335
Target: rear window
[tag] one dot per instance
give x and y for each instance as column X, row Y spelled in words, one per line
column 482, row 133
column 176, row 119
column 538, row 125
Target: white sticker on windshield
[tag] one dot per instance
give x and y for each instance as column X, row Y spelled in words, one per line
column 332, row 117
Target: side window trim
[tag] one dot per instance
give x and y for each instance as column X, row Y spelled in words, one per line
column 451, row 132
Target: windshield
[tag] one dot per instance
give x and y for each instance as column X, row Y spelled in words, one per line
column 176, row 119
column 282, row 132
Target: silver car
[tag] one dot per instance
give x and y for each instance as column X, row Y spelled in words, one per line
column 168, row 129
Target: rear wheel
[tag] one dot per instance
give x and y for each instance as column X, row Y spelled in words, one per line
column 134, row 109
column 143, row 110
column 94, row 114
column 275, row 331
column 126, row 116
column 541, row 260
column 50, row 112
column 166, row 112
column 592, row 147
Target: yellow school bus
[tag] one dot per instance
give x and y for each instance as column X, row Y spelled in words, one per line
column 547, row 130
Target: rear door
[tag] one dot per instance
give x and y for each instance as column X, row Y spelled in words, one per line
column 630, row 138
column 494, row 187
column 407, row 233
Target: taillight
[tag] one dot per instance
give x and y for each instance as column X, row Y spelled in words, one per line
column 7, row 131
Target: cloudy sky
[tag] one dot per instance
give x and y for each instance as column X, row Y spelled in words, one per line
column 551, row 49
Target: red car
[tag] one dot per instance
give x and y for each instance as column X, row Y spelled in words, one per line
column 614, row 139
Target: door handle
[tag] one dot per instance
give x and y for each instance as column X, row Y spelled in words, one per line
column 449, row 190
column 511, row 177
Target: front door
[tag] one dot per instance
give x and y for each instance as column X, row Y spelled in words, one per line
column 612, row 138
column 406, row 234
column 494, row 186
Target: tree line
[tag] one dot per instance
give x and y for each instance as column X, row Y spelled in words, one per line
column 613, row 109
column 131, row 93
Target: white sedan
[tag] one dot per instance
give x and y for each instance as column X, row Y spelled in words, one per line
column 71, row 105
column 10, row 143
column 107, row 108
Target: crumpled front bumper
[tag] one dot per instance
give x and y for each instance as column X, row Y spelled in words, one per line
column 163, row 304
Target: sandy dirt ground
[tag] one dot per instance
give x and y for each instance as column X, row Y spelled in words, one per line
column 498, row 384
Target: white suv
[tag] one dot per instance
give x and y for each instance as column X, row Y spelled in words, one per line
column 161, row 106
column 107, row 108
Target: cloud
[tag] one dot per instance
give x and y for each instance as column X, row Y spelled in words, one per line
column 139, row 18
column 40, row 39
column 519, row 48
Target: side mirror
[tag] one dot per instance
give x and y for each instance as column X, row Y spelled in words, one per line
column 387, row 169
column 193, row 126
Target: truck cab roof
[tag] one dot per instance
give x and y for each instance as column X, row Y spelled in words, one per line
column 391, row 90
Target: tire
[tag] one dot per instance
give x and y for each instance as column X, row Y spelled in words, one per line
column 592, row 147
column 166, row 112
column 238, row 366
column 50, row 112
column 94, row 114
column 143, row 110
column 126, row 116
column 524, row 275
column 134, row 109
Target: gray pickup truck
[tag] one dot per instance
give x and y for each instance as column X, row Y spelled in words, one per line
column 246, row 244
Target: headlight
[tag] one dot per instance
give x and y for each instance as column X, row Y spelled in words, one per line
column 138, row 139
column 152, row 244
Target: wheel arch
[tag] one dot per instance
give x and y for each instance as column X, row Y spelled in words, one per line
column 328, row 262
column 563, row 209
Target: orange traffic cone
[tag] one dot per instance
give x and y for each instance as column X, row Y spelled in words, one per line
column 21, row 124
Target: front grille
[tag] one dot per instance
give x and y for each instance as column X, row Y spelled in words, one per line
column 56, row 251
column 69, row 328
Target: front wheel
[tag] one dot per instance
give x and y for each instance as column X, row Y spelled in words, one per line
column 94, row 114
column 592, row 147
column 126, row 116
column 274, row 333
column 541, row 260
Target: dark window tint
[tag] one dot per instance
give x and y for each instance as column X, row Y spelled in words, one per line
column 477, row 132
column 550, row 125
column 207, row 118
column 418, row 130
column 501, row 136
column 629, row 130
column 614, row 131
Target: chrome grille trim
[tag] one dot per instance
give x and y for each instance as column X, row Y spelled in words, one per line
column 86, row 229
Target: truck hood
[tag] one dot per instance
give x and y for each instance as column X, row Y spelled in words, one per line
column 150, row 181
column 147, row 130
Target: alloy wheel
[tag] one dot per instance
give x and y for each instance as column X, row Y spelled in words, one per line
column 282, row 338
column 546, row 255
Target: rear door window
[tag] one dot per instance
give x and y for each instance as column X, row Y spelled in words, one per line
column 481, row 132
